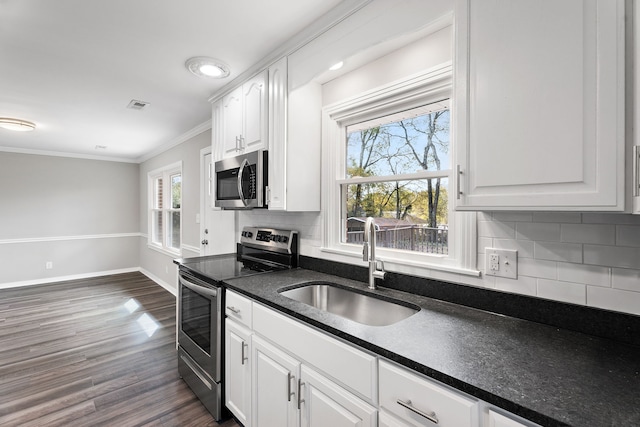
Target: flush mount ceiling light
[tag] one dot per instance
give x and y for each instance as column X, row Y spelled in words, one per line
column 336, row 66
column 16, row 124
column 203, row 66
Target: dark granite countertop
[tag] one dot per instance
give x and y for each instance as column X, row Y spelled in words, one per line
column 551, row 376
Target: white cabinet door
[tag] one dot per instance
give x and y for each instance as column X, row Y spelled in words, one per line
column 498, row 420
column 327, row 404
column 387, row 420
column 254, row 100
column 275, row 386
column 217, row 133
column 232, row 117
column 539, row 104
column 238, row 371
column 278, row 135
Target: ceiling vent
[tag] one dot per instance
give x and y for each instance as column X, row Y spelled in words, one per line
column 137, row 105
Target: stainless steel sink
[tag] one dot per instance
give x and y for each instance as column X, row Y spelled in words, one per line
column 361, row 308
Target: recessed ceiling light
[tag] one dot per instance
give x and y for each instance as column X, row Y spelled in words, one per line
column 203, row 66
column 16, row 124
column 336, row 66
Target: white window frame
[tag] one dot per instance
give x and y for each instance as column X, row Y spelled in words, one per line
column 165, row 173
column 414, row 91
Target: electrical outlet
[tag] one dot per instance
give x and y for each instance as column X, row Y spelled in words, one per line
column 494, row 262
column 501, row 263
column 49, row 265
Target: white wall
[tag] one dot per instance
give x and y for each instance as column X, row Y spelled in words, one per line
column 160, row 265
column 81, row 215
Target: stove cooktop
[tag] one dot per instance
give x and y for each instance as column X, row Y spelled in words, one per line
column 219, row 267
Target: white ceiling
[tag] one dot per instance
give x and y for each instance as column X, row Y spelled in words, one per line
column 73, row 66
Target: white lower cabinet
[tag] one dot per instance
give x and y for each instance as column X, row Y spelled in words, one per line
column 276, row 377
column 499, row 420
column 421, row 402
column 387, row 420
column 238, row 371
column 283, row 373
column 324, row 403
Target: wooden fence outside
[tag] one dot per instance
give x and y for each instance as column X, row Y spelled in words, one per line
column 413, row 238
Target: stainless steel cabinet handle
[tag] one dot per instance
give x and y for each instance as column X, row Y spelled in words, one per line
column 300, row 399
column 431, row 416
column 458, row 175
column 289, row 392
column 242, row 355
column 233, row 309
column 636, row 171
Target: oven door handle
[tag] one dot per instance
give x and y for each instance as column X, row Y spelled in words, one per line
column 197, row 288
column 243, row 165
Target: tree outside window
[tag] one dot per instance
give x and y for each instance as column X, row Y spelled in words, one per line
column 397, row 171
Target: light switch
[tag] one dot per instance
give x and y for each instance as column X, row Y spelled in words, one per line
column 501, row 263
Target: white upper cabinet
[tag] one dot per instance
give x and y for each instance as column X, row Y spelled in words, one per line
column 277, row 135
column 244, row 118
column 294, row 142
column 539, row 105
column 254, row 97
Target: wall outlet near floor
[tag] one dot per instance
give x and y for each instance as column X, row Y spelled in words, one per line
column 49, row 265
column 501, row 263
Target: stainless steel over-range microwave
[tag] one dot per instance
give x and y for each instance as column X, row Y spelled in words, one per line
column 241, row 181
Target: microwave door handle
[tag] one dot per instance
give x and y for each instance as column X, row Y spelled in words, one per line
column 244, row 164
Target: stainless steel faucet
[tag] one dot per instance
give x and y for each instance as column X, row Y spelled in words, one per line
column 370, row 243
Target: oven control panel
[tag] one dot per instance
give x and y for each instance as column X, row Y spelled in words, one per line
column 268, row 238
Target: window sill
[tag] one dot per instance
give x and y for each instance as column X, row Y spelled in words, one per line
column 164, row 251
column 403, row 266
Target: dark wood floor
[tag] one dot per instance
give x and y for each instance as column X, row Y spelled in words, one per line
column 71, row 354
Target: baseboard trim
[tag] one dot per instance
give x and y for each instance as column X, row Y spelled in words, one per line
column 159, row 281
column 46, row 280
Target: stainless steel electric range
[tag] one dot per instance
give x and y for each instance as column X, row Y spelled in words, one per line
column 201, row 305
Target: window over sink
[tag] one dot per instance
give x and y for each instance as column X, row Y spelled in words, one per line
column 387, row 155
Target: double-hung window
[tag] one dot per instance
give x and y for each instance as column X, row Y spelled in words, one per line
column 165, row 201
column 388, row 155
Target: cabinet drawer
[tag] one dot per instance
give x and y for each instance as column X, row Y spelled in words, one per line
column 354, row 369
column 238, row 308
column 425, row 396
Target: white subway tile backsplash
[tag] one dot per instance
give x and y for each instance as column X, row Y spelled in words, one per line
column 613, row 299
column 554, row 251
column 610, row 218
column 524, row 247
column 522, row 285
column 559, row 217
column 537, row 268
column 586, row 274
column 512, row 216
column 484, row 242
column 503, row 230
column 612, row 256
column 538, row 231
column 628, row 235
column 588, row 233
column 582, row 258
column 574, row 293
column 626, row 279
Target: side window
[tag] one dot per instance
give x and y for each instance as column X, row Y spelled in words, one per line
column 165, row 200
